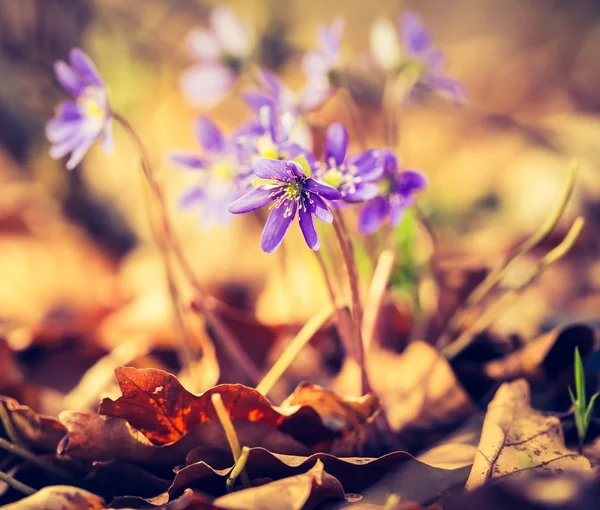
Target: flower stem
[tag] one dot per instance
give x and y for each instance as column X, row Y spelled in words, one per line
column 15, row 484
column 206, row 303
column 283, row 362
column 341, row 312
column 161, row 238
column 229, row 430
column 346, row 249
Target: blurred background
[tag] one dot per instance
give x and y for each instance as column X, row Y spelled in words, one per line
column 76, row 257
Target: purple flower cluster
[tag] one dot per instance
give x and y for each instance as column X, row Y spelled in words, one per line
column 269, row 160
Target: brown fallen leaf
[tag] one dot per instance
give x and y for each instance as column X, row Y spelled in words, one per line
column 517, row 439
column 156, row 404
column 418, row 388
column 347, row 416
column 37, row 431
column 354, row 473
column 59, row 497
column 102, row 438
column 546, row 357
column 304, row 491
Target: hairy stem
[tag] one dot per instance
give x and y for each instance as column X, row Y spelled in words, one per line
column 348, row 255
column 342, row 319
column 229, row 430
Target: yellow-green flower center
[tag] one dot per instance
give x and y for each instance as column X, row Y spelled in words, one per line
column 91, row 104
column 293, row 191
column 333, row 177
column 222, row 171
column 266, row 147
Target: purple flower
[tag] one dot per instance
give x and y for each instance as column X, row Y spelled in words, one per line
column 274, row 136
column 222, row 177
column 78, row 123
column 322, row 66
column 222, row 52
column 272, row 94
column 355, row 177
column 396, row 194
column 427, row 62
column 290, row 189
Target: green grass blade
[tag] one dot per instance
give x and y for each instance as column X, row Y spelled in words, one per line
column 579, row 379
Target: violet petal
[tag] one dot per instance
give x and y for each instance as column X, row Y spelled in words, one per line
column 269, row 168
column 208, row 134
column 336, row 143
column 323, row 190
column 277, row 225
column 308, row 227
column 255, row 199
column 372, row 215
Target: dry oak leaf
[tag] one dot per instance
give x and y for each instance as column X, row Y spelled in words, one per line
column 354, row 473
column 545, row 357
column 43, row 433
column 155, row 403
column 102, row 438
column 517, row 439
column 59, row 497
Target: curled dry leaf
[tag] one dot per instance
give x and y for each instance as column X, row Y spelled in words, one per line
column 347, row 416
column 95, row 437
column 37, row 431
column 304, row 491
column 354, row 473
column 418, row 388
column 546, row 357
column 157, row 421
column 155, row 403
column 517, row 439
column 59, row 497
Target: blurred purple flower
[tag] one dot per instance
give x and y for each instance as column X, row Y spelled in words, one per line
column 322, row 66
column 396, row 194
column 290, row 189
column 78, row 123
column 427, row 62
column 355, row 177
column 222, row 52
column 272, row 136
column 222, row 175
